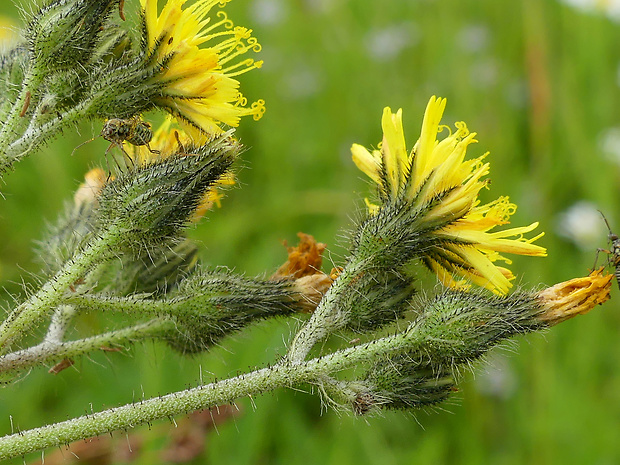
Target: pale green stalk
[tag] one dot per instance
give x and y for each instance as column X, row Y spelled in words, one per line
column 29, row 313
column 12, row 148
column 267, row 379
column 325, row 320
column 121, row 304
column 54, row 351
column 61, row 319
column 14, row 121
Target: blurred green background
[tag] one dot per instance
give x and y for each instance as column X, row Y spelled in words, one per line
column 538, row 80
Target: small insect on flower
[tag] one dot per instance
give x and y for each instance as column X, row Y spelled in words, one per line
column 132, row 130
column 119, row 130
column 614, row 253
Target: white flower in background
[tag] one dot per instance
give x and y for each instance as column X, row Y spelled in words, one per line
column 483, row 73
column 473, row 38
column 387, row 43
column 301, row 81
column 609, row 144
column 583, row 225
column 610, row 8
column 268, row 12
column 319, row 7
column 498, row 379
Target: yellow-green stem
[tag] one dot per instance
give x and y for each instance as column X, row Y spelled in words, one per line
column 267, row 379
column 29, row 313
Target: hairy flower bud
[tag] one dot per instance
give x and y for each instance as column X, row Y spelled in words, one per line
column 63, row 32
column 75, row 226
column 156, row 272
column 462, row 326
column 404, row 382
column 150, row 203
column 375, row 298
column 12, row 66
column 210, row 305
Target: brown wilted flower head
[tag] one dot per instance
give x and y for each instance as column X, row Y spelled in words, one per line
column 574, row 297
column 304, row 260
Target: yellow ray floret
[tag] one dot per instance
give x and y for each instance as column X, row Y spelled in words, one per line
column 202, row 53
column 436, row 179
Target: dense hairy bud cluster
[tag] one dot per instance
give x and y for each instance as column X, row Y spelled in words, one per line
column 455, row 328
column 380, row 282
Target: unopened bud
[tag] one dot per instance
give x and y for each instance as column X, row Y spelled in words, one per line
column 152, row 202
column 64, row 32
column 407, row 381
column 75, row 226
column 12, row 66
column 368, row 298
column 461, row 326
column 210, row 305
column 156, row 272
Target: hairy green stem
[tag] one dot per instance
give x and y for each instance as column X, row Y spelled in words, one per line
column 20, row 320
column 284, row 374
column 61, row 319
column 135, row 306
column 54, row 351
column 326, row 319
column 15, row 119
column 36, row 133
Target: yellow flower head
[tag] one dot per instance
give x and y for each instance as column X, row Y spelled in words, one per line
column 435, row 180
column 172, row 138
column 201, row 56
